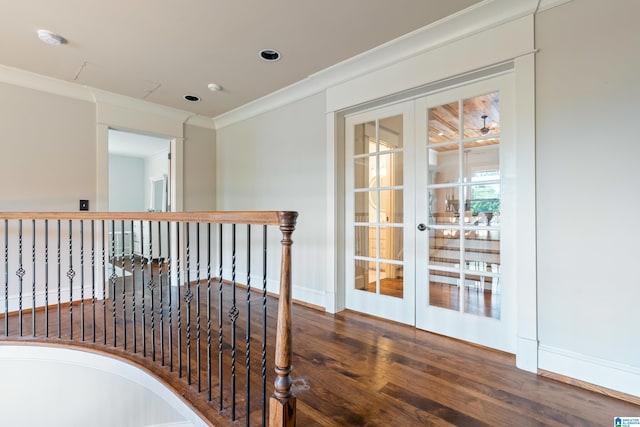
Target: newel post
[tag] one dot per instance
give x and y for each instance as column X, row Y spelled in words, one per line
column 282, row 406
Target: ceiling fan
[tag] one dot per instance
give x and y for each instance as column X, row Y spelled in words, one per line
column 484, row 129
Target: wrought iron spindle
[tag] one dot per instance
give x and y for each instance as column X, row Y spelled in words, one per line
column 143, row 265
column 233, row 315
column 132, row 265
column 33, row 277
column 169, row 291
column 151, row 285
column 248, row 332
column 59, row 260
column 160, row 270
column 220, row 321
column 20, row 273
column 178, row 300
column 104, row 285
column 6, row 277
column 188, row 297
column 264, row 325
column 93, row 282
column 209, row 309
column 70, row 275
column 113, row 278
column 124, row 294
column 198, row 303
column 46, row 278
column 82, row 278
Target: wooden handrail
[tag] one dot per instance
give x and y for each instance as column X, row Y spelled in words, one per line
column 230, row 217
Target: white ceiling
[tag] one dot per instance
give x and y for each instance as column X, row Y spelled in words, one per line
column 161, row 50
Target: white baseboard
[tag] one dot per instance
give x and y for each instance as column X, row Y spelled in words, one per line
column 605, row 373
column 27, row 300
column 309, row 296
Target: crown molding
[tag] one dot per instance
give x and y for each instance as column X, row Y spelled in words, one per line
column 30, row 80
column 101, row 98
column 475, row 19
column 549, row 4
column 200, row 121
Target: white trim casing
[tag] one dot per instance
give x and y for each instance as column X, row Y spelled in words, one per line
column 525, row 215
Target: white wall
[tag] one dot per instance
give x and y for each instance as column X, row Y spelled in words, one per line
column 587, row 157
column 49, row 152
column 127, row 184
column 277, row 161
column 200, row 175
column 62, row 387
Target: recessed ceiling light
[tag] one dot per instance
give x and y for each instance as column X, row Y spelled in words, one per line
column 192, row 98
column 51, row 38
column 214, row 87
column 269, row 55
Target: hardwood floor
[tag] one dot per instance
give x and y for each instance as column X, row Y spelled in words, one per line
column 350, row 369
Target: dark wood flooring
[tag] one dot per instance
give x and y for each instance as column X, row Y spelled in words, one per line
column 350, row 369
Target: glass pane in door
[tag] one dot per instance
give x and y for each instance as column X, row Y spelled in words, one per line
column 464, row 205
column 378, row 159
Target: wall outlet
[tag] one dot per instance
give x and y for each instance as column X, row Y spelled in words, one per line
column 84, row 205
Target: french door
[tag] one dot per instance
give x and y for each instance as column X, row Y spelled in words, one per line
column 428, row 202
column 379, row 144
column 464, row 201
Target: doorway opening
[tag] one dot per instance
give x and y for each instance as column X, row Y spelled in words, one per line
column 138, row 168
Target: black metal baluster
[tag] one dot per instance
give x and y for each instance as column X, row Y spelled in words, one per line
column 70, row 275
column 113, row 278
column 143, row 265
column 82, row 278
column 124, row 287
column 178, row 300
column 220, row 322
column 188, row 297
column 233, row 315
column 198, row 304
column 161, row 312
column 46, row 278
column 264, row 325
column 20, row 273
column 248, row 332
column 104, row 286
column 33, row 278
column 133, row 287
column 93, row 281
column 6, row 277
column 209, row 309
column 151, row 285
column 169, row 291
column 59, row 259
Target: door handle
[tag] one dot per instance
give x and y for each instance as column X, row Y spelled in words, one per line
column 422, row 227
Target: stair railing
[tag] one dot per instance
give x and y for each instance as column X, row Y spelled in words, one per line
column 171, row 291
